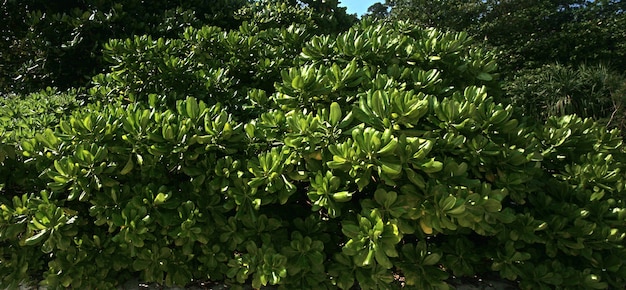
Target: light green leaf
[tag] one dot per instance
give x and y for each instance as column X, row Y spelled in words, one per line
column 335, row 113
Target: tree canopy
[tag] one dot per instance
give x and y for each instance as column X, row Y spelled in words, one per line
column 58, row 44
column 530, row 33
column 546, row 49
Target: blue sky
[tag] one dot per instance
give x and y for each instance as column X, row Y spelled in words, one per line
column 358, row 6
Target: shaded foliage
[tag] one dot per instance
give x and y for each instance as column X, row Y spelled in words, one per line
column 556, row 90
column 57, row 43
column 548, row 50
column 378, row 11
column 530, row 34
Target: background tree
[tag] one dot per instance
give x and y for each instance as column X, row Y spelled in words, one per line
column 530, row 33
column 52, row 43
column 456, row 15
column 540, row 40
column 321, row 16
column 555, row 90
column 534, row 33
column 570, row 52
column 378, row 10
column 58, row 44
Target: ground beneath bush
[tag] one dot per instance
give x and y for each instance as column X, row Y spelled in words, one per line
column 458, row 284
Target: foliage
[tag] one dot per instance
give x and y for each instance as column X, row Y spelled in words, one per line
column 569, row 32
column 378, row 11
column 325, row 17
column 455, row 15
column 530, row 34
column 377, row 152
column 210, row 63
column 557, row 90
column 23, row 118
column 548, row 50
column 57, row 44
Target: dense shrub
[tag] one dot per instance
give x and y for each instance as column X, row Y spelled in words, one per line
column 209, row 63
column 214, row 64
column 377, row 154
column 556, row 90
column 21, row 118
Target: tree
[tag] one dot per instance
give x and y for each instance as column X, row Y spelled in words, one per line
column 455, row 15
column 535, row 37
column 534, row 33
column 52, row 43
column 531, row 33
column 326, row 17
column 378, row 10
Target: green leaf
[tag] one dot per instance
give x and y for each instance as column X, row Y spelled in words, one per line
column 192, row 108
column 390, row 148
column 385, row 198
column 250, row 129
column 37, row 238
column 378, row 103
column 448, row 203
column 161, row 198
column 128, row 167
column 431, row 259
column 483, row 76
column 382, row 258
column 297, row 83
column 60, row 168
column 342, row 196
column 335, row 113
column 416, row 178
column 350, row 230
column 391, row 168
column 431, row 166
column 140, row 265
column 492, row 205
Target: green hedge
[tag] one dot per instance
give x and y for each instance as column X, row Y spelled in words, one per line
column 378, row 154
